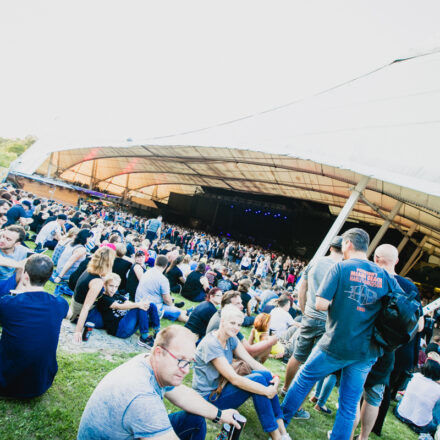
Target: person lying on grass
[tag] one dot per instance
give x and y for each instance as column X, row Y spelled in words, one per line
column 122, row 317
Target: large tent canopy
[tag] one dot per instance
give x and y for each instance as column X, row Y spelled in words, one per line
column 384, row 125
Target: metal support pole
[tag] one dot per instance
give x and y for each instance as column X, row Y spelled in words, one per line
column 383, row 228
column 49, row 167
column 407, row 236
column 408, row 264
column 340, row 220
column 93, row 175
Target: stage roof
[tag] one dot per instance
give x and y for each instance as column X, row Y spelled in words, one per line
column 385, row 125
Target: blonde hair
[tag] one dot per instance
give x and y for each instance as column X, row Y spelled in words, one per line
column 112, row 277
column 186, row 259
column 229, row 312
column 102, row 261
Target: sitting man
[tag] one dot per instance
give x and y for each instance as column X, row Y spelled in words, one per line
column 128, row 402
column 155, row 287
column 12, row 256
column 31, row 323
column 50, row 234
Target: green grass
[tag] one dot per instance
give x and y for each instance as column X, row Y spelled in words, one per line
column 56, row 414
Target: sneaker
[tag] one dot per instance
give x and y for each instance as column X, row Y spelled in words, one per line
column 147, row 342
column 189, row 311
column 286, row 436
column 322, row 409
column 329, row 434
column 425, row 437
column 302, row 414
column 283, row 392
column 179, row 305
column 313, row 399
column 41, row 250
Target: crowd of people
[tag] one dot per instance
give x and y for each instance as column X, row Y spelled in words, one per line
column 126, row 274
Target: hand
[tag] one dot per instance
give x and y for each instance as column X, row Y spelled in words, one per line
column 227, row 417
column 273, row 339
column 77, row 337
column 144, row 305
column 57, row 278
column 275, row 381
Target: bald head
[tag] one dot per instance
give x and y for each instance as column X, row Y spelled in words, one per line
column 386, row 256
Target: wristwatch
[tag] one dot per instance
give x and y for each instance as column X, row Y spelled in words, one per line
column 218, row 416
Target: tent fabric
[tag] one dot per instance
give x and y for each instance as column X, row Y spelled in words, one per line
column 385, row 125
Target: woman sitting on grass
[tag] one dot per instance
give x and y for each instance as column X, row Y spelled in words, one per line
column 420, row 405
column 89, row 288
column 213, row 361
column 260, row 332
column 122, row 317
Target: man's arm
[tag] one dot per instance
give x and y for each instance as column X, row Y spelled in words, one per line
column 322, row 304
column 191, row 401
column 302, row 294
column 9, row 262
column 167, row 299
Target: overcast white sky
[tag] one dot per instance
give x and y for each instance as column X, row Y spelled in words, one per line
column 106, row 70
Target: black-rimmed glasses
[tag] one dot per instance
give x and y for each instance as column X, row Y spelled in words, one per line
column 181, row 363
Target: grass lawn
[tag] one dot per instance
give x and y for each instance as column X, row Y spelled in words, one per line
column 56, row 414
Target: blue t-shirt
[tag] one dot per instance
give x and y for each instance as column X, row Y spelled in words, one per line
column 355, row 288
column 126, row 404
column 14, row 214
column 154, row 225
column 31, row 324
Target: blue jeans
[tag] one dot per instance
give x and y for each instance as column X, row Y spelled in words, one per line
column 268, row 410
column 138, row 319
column 188, row 426
column 318, row 365
column 324, row 388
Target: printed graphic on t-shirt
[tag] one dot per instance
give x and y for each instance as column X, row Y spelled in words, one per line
column 362, row 293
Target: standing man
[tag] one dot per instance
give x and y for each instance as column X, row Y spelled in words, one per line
column 155, row 287
column 154, row 226
column 385, row 256
column 31, row 322
column 351, row 292
column 128, row 402
column 313, row 321
column 12, row 256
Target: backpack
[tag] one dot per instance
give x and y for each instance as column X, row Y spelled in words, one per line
column 397, row 321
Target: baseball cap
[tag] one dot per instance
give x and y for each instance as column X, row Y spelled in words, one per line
column 62, row 217
column 337, row 242
column 26, row 203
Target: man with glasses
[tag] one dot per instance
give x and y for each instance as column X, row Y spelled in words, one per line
column 128, row 402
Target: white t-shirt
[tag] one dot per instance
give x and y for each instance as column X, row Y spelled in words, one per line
column 419, row 400
column 48, row 232
column 280, row 320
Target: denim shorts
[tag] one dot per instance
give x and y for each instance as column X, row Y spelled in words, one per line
column 309, row 334
column 374, row 394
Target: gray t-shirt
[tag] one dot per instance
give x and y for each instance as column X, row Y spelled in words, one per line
column 126, row 404
column 19, row 254
column 315, row 274
column 206, row 377
column 152, row 286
